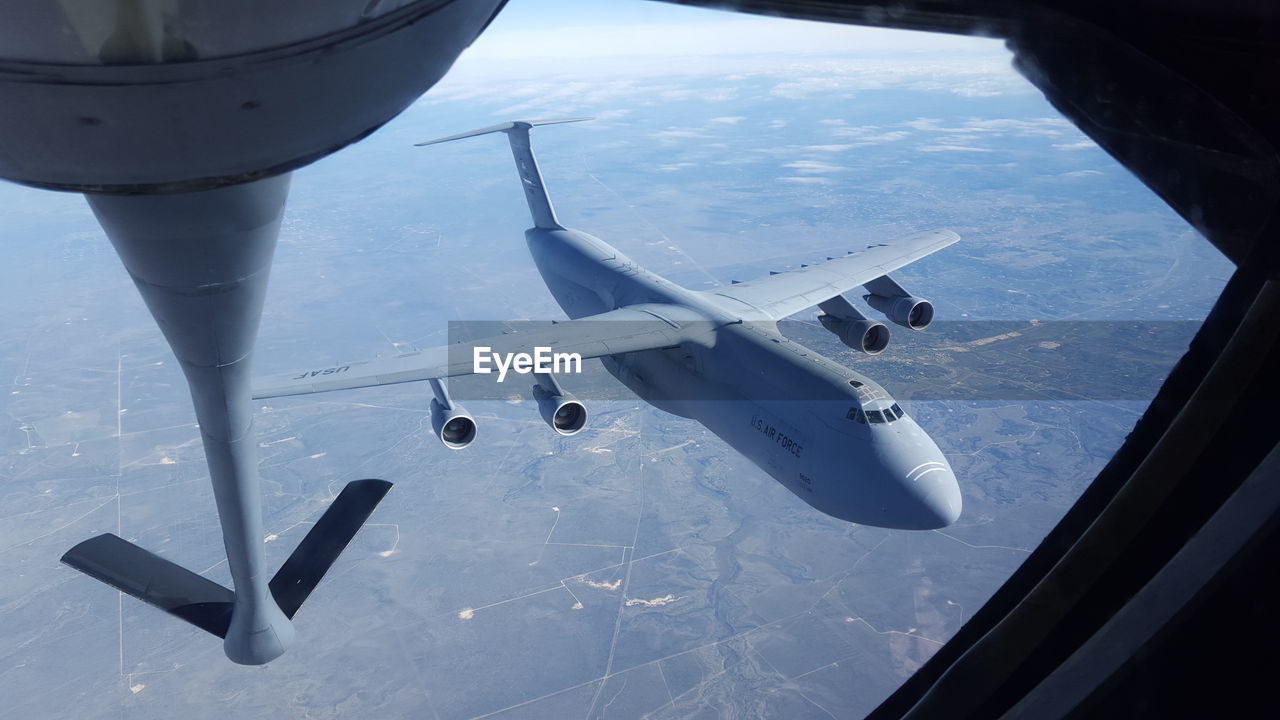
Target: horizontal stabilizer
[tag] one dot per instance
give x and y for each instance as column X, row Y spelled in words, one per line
column 501, row 127
column 328, row 538
column 155, row 581
column 208, row 605
column 535, row 190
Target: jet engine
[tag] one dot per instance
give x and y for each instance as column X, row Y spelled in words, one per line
column 862, row 334
column 558, row 407
column 899, row 305
column 450, row 421
column 453, row 424
column 852, row 327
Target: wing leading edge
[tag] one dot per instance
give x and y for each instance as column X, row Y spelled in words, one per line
column 790, row 292
column 611, row 333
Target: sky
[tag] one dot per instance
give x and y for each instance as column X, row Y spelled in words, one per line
column 548, row 54
column 536, row 29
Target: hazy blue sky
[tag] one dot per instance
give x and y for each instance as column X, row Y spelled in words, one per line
column 535, row 29
column 558, row 13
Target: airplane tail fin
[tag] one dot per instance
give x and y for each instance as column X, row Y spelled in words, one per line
column 208, row 605
column 535, row 191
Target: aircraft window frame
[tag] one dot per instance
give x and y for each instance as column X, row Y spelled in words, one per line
column 889, row 414
column 855, row 414
column 855, row 383
column 874, row 416
column 898, row 409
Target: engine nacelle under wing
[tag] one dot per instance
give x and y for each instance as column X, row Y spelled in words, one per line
column 898, row 305
column 861, row 334
column 560, row 409
column 453, row 425
column 853, row 328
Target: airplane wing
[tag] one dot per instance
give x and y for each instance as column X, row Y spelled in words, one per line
column 615, row 332
column 790, row 292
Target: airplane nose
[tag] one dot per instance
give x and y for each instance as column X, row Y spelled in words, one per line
column 940, row 503
column 923, row 491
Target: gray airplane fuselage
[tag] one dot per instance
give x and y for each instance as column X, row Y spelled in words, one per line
column 785, row 407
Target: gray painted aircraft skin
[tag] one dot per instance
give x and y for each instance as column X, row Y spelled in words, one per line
column 833, row 437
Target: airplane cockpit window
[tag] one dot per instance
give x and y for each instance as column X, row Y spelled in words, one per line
column 887, row 415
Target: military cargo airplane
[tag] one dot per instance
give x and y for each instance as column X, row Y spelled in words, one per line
column 832, row 436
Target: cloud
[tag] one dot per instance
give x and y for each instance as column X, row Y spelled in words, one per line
column 951, row 148
column 805, row 180
column 924, row 124
column 1081, row 173
column 672, row 134
column 1046, row 126
column 979, row 88
column 611, row 114
column 813, row 166
column 801, row 88
column 966, row 136
column 557, row 94
column 1082, row 145
column 846, row 76
column 1022, row 127
column 730, row 120
column 957, row 139
column 869, row 135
